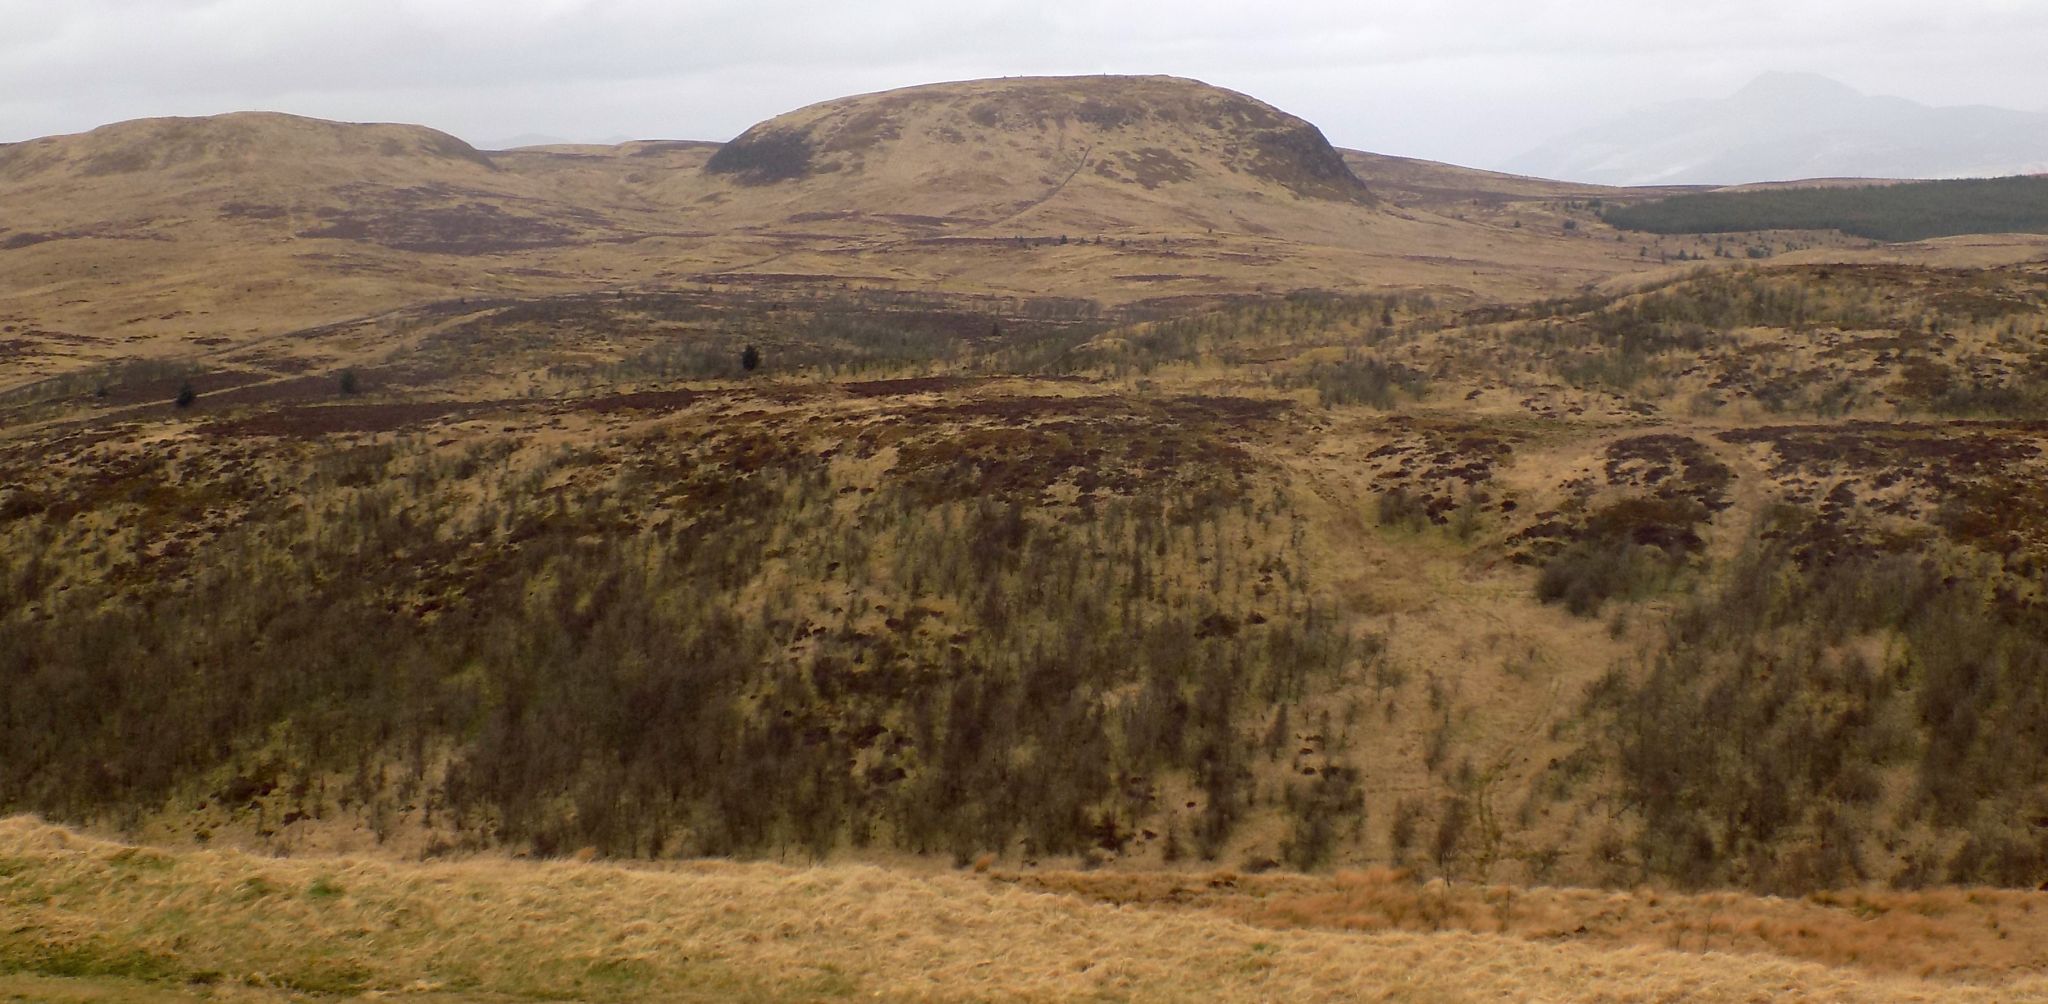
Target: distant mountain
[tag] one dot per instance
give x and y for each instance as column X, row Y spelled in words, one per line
column 1786, row 126
column 524, row 140
column 529, row 140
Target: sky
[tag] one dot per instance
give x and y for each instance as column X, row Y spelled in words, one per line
column 1473, row 82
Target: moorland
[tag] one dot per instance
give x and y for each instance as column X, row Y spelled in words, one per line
column 1091, row 519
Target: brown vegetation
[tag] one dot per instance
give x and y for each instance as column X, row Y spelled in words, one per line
column 1977, row 937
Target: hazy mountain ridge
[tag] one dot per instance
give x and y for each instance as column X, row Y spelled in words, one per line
column 1786, row 126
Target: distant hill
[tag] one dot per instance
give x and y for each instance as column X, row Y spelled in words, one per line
column 1895, row 212
column 1789, row 125
column 199, row 149
column 255, row 177
column 526, row 139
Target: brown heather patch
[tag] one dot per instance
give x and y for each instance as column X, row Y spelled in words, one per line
column 1155, row 166
column 1443, row 464
column 1672, row 466
column 332, row 419
column 906, row 385
column 1939, row 455
column 1985, row 937
column 1019, row 447
column 652, row 400
column 433, row 219
column 1980, row 481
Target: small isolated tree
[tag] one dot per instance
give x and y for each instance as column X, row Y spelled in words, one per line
column 186, row 394
column 750, row 359
column 351, row 385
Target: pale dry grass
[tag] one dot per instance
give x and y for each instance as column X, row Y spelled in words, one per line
column 75, row 905
column 1987, row 937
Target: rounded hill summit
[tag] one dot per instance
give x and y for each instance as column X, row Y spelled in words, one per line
column 986, row 150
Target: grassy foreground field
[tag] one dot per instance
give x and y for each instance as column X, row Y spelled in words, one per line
column 89, row 920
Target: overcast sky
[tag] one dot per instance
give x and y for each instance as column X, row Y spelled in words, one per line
column 1471, row 81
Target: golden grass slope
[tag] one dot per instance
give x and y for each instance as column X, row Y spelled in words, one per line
column 95, row 920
